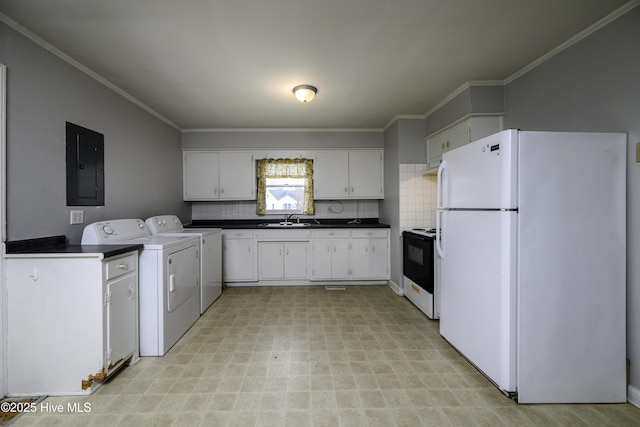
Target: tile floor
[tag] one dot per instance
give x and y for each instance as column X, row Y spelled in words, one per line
column 306, row 356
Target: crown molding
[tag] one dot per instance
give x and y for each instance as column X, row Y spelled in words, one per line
column 256, row 130
column 575, row 39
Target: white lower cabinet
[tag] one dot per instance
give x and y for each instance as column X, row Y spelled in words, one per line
column 298, row 256
column 282, row 260
column 330, row 255
column 341, row 254
column 239, row 256
column 72, row 321
column 369, row 256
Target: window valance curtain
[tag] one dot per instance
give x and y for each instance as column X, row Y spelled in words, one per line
column 285, row 168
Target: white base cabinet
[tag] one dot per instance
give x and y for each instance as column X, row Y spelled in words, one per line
column 357, row 255
column 282, row 260
column 239, row 258
column 303, row 256
column 369, row 256
column 330, row 255
column 72, row 321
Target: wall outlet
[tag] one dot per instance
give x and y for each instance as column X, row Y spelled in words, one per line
column 77, row 217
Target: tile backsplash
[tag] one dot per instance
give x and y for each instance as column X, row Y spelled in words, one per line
column 417, row 197
column 246, row 209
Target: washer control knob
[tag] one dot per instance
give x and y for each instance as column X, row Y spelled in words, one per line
column 107, row 230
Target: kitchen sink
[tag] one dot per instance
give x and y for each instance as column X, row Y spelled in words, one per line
column 286, row 224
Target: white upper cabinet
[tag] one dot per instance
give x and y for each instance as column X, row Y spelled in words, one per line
column 460, row 134
column 348, row 174
column 223, row 175
column 366, row 174
column 331, row 175
column 200, row 175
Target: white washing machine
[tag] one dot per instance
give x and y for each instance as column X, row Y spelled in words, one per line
column 210, row 253
column 169, row 275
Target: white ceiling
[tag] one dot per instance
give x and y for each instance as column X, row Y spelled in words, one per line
column 216, row 64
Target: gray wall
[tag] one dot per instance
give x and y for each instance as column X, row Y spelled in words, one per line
column 403, row 143
column 594, row 86
column 475, row 99
column 266, row 139
column 389, row 207
column 44, row 92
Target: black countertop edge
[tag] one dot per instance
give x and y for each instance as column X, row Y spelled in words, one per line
column 259, row 223
column 58, row 245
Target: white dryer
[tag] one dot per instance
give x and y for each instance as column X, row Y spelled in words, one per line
column 210, row 253
column 169, row 271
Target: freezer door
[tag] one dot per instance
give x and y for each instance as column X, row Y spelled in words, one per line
column 477, row 292
column 572, row 268
column 480, row 175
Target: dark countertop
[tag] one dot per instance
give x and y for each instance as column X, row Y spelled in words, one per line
column 58, row 245
column 259, row 224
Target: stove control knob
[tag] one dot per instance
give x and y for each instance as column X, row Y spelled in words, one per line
column 107, row 230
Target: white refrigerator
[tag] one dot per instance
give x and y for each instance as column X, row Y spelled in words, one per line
column 533, row 273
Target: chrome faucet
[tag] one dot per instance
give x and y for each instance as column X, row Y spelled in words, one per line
column 289, row 217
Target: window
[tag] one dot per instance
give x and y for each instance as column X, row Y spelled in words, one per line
column 284, row 186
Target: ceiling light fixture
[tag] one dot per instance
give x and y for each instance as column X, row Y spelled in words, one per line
column 305, row 93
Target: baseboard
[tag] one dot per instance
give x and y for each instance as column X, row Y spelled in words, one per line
column 397, row 289
column 633, row 396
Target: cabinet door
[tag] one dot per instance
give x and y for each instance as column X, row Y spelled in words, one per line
column 331, row 175
column 295, row 260
column 237, row 172
column 200, row 175
column 458, row 136
column 121, row 318
column 365, row 174
column 379, row 258
column 340, row 259
column 239, row 260
column 211, row 271
column 359, row 259
column 270, row 260
column 321, row 254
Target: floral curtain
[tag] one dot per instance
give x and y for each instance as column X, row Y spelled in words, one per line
column 285, row 168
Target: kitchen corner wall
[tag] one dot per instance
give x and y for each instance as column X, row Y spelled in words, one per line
column 347, row 209
column 417, row 197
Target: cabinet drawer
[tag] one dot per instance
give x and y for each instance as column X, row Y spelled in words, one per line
column 238, row 234
column 331, row 234
column 283, row 235
column 356, row 234
column 120, row 266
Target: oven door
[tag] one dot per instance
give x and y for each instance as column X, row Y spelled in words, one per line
column 417, row 260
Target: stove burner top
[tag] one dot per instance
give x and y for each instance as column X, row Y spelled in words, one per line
column 422, row 231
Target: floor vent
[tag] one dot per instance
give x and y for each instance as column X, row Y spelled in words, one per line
column 335, row 288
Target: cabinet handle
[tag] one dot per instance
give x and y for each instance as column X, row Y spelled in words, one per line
column 346, row 190
column 222, row 191
column 172, row 283
column 131, row 293
column 352, row 189
column 123, row 266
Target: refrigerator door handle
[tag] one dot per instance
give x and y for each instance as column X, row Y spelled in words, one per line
column 439, row 247
column 440, row 185
column 439, row 207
